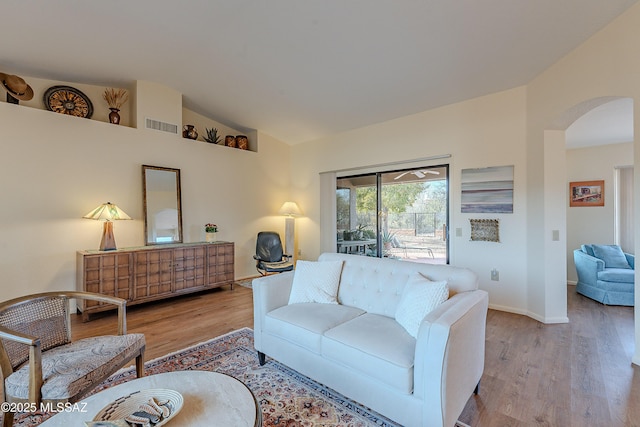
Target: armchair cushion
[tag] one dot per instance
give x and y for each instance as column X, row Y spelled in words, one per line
column 587, row 249
column 70, row 368
column 612, row 256
column 620, row 275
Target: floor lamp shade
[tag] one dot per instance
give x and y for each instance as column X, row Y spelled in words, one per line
column 290, row 209
column 108, row 213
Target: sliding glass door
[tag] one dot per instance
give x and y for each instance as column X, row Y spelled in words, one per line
column 397, row 214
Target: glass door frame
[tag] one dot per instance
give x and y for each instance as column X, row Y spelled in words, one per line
column 379, row 203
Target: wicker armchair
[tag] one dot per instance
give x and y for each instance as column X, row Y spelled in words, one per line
column 40, row 362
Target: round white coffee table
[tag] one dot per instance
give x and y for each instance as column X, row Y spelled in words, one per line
column 210, row 398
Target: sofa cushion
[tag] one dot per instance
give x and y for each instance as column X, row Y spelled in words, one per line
column 305, row 323
column 419, row 297
column 612, row 256
column 376, row 284
column 316, row 282
column 622, row 275
column 375, row 345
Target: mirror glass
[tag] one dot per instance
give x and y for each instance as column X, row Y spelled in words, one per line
column 162, row 206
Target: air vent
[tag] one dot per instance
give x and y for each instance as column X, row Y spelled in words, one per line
column 161, row 126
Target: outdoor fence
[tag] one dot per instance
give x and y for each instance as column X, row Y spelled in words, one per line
column 422, row 223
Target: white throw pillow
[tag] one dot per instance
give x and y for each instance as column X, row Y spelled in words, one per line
column 315, row 281
column 419, row 297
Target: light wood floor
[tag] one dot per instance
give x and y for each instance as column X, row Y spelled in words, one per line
column 575, row 374
column 177, row 323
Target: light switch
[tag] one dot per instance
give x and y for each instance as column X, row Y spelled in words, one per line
column 458, row 232
column 555, row 235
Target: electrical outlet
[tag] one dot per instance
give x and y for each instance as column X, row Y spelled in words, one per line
column 495, row 275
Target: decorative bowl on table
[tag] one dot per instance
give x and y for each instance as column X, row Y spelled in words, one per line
column 155, row 406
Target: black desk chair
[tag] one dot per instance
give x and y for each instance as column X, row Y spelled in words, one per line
column 269, row 254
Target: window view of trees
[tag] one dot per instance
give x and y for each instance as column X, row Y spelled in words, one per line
column 412, row 218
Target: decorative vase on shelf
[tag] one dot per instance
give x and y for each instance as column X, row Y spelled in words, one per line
column 190, row 132
column 230, row 141
column 211, row 237
column 114, row 116
column 243, row 142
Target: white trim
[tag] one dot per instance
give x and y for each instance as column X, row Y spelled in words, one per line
column 328, row 214
column 380, row 167
column 534, row 316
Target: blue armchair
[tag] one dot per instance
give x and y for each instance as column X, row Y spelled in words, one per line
column 605, row 274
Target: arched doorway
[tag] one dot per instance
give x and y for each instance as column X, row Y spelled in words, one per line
column 597, row 136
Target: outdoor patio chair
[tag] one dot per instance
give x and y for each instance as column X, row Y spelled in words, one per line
column 39, row 361
column 397, row 243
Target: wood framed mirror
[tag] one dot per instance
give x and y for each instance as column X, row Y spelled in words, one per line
column 162, row 205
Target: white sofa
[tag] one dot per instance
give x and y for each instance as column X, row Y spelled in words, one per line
column 357, row 348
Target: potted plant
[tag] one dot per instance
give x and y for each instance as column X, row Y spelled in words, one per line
column 210, row 230
column 387, row 239
column 212, row 135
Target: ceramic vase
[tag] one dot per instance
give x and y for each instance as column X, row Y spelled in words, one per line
column 190, row 132
column 211, row 237
column 114, row 116
column 243, row 142
column 230, row 141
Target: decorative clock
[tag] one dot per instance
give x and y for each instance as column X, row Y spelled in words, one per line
column 68, row 100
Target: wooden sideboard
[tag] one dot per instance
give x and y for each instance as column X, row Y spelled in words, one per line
column 149, row 273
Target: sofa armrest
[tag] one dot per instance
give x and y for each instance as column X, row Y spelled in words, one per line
column 631, row 259
column 449, row 357
column 587, row 267
column 269, row 293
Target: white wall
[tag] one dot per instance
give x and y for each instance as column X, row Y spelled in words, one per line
column 56, row 168
column 487, row 131
column 593, row 224
column 604, row 66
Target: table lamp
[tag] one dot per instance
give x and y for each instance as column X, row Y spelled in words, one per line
column 109, row 213
column 290, row 210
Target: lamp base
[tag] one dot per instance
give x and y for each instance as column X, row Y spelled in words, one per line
column 108, row 242
column 289, row 227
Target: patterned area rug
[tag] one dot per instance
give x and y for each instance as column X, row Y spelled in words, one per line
column 286, row 397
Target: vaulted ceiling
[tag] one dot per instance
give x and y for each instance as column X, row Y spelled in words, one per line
column 300, row 70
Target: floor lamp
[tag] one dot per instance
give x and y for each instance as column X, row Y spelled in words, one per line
column 290, row 210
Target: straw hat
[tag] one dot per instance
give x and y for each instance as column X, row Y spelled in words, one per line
column 16, row 86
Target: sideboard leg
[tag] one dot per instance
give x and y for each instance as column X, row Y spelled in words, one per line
column 261, row 358
column 477, row 390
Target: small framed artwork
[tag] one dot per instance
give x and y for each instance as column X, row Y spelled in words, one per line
column 487, row 230
column 586, row 193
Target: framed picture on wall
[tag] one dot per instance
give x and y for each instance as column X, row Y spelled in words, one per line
column 487, row 190
column 586, row 193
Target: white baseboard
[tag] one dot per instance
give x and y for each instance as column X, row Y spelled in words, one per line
column 508, row 309
column 534, row 316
